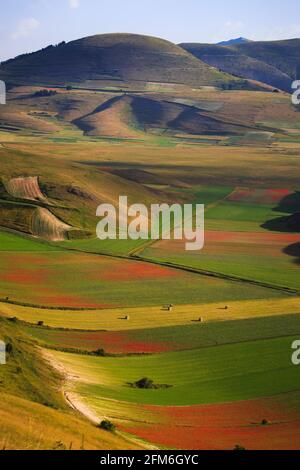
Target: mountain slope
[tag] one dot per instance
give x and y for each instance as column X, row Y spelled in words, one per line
column 111, row 57
column 244, row 61
column 34, row 414
column 128, row 116
column 284, row 55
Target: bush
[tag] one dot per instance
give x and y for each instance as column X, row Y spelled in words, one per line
column 145, row 383
column 40, row 323
column 264, row 422
column 107, row 426
column 9, row 348
column 42, row 93
column 148, row 384
column 13, row 319
column 239, row 448
column 100, row 353
column 59, row 446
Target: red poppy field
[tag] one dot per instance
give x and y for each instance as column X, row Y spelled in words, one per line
column 259, row 196
column 266, row 423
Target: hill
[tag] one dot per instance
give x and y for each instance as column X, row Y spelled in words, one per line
column 232, row 42
column 110, row 57
column 33, row 411
column 284, row 55
column 129, row 116
column 274, row 63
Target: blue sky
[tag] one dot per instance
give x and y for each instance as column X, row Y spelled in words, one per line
column 28, row 25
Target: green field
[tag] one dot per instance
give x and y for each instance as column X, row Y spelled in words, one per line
column 244, row 239
column 229, row 215
column 210, row 375
column 90, row 282
column 94, row 245
column 14, row 242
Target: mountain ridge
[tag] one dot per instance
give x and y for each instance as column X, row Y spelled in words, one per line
column 235, row 41
column 275, row 63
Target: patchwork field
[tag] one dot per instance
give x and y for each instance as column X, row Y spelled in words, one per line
column 220, row 358
column 90, row 282
column 248, row 235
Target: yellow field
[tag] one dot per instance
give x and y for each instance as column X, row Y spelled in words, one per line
column 152, row 317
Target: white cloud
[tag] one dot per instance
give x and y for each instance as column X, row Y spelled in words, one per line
column 25, row 27
column 234, row 25
column 74, row 3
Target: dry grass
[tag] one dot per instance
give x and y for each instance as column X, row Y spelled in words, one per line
column 29, row 426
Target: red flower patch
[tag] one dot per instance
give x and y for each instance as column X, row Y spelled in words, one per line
column 23, row 276
column 127, row 271
column 259, row 196
column 112, row 342
column 226, row 425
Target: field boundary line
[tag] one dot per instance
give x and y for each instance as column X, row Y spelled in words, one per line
column 219, row 275
column 148, row 243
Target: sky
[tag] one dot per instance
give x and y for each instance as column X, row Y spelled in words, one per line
column 29, row 25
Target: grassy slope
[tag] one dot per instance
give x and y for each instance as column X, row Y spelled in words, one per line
column 241, row 65
column 33, row 413
column 282, row 54
column 30, row 426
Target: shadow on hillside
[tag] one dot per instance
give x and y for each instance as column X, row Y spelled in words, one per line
column 289, row 224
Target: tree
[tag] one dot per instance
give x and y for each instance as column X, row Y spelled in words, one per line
column 144, row 383
column 107, row 426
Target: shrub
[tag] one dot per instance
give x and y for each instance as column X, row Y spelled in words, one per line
column 59, row 446
column 42, row 93
column 13, row 319
column 107, row 426
column 264, row 422
column 239, row 448
column 40, row 323
column 148, row 384
column 100, row 353
column 144, row 383
column 9, row 348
